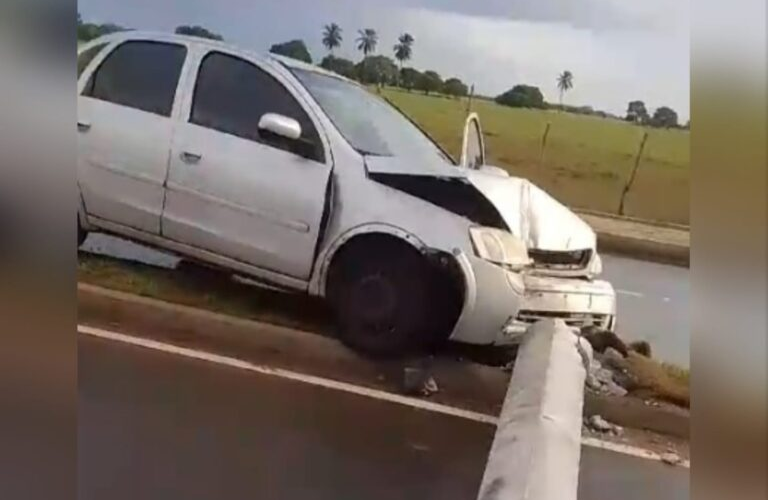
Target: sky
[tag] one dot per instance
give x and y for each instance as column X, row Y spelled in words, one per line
column 617, row 50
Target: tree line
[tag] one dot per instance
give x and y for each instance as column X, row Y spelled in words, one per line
column 372, row 68
column 375, row 69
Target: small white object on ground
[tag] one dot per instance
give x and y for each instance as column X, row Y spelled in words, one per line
column 671, row 458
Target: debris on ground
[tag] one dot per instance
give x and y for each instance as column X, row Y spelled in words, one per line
column 418, row 382
column 601, row 339
column 671, row 458
column 598, row 424
column 605, row 381
column 642, row 347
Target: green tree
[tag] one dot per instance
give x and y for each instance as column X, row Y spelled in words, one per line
column 332, row 36
column 664, row 117
column 339, row 65
column 430, row 81
column 89, row 31
column 295, row 49
column 409, row 78
column 367, row 40
column 455, row 87
column 637, row 112
column 198, row 31
column 377, row 69
column 564, row 83
column 404, row 48
column 522, row 96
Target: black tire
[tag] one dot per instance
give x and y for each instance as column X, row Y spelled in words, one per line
column 82, row 234
column 381, row 295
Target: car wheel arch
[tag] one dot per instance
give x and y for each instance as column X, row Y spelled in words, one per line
column 319, row 283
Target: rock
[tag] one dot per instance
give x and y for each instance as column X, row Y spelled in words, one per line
column 429, row 387
column 613, row 359
column 625, row 380
column 598, row 423
column 671, row 458
column 414, row 379
column 613, row 389
column 600, row 340
column 641, row 347
column 508, row 367
column 604, row 375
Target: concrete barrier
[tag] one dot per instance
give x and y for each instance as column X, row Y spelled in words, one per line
column 537, row 448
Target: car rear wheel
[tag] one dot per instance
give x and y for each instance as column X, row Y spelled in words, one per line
column 381, row 295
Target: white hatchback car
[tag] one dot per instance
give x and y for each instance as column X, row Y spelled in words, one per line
column 299, row 178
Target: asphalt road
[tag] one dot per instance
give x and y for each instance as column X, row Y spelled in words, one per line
column 653, row 299
column 154, row 425
column 653, row 305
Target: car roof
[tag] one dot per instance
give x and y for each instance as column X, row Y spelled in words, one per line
column 290, row 63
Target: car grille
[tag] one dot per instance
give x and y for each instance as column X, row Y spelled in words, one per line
column 576, row 320
column 576, row 259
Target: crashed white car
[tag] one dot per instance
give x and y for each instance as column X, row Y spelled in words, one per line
column 298, row 178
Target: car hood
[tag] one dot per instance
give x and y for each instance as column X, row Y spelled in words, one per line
column 531, row 214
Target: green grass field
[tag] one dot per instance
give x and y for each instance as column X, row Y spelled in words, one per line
column 587, row 159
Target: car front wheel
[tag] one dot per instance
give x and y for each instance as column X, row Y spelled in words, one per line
column 382, row 296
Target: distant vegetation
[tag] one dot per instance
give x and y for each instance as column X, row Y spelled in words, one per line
column 89, row 31
column 198, row 31
column 295, row 49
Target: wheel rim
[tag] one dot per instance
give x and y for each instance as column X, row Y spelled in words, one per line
column 374, row 301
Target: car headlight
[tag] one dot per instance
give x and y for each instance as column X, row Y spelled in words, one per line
column 595, row 266
column 499, row 247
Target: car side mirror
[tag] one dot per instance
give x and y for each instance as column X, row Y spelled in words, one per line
column 280, row 126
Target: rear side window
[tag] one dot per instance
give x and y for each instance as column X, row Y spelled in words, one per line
column 231, row 96
column 140, row 75
column 85, row 58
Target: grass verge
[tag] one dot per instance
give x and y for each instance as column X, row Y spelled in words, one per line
column 586, row 161
column 195, row 286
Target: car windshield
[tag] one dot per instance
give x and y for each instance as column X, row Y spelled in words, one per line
column 371, row 125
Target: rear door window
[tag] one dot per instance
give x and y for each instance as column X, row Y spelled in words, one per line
column 142, row 75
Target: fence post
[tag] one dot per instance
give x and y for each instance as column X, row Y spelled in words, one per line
column 544, row 143
column 469, row 101
column 631, row 179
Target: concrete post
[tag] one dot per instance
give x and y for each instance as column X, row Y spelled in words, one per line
column 537, row 448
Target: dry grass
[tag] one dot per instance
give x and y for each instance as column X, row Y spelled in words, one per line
column 659, row 380
column 587, row 159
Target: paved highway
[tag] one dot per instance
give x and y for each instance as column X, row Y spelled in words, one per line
column 653, row 299
column 155, row 425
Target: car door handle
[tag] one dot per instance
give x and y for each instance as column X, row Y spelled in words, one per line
column 188, row 157
column 83, row 126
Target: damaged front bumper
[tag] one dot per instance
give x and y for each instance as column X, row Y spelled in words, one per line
column 578, row 302
column 500, row 305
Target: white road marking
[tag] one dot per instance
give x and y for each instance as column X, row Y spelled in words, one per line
column 326, row 383
column 630, row 293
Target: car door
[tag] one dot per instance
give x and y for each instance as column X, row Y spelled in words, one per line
column 124, row 131
column 473, row 146
column 234, row 189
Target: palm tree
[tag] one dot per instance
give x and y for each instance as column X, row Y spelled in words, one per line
column 367, row 41
column 404, row 48
column 564, row 84
column 331, row 36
